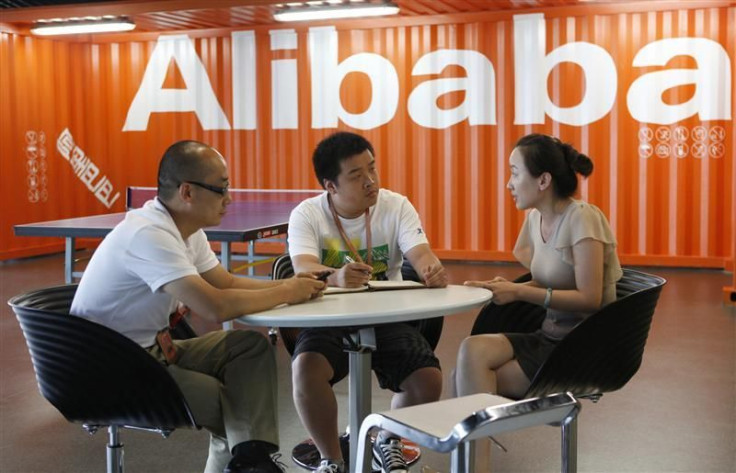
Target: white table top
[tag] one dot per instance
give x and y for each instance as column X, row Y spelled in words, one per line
column 372, row 307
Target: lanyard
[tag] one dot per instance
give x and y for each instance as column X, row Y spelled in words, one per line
column 346, row 240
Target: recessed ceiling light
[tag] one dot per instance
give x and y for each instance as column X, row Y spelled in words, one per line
column 331, row 12
column 81, row 26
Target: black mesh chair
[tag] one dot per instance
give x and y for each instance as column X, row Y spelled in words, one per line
column 94, row 375
column 431, row 329
column 601, row 354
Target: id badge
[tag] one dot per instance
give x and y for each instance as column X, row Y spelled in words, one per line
column 163, row 338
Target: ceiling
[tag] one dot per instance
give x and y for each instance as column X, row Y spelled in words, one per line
column 173, row 15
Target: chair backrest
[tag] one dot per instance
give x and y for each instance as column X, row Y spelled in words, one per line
column 282, row 267
column 92, row 374
column 431, row 329
column 605, row 350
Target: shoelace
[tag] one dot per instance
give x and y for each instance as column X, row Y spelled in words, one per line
column 276, row 458
column 332, row 467
column 392, row 456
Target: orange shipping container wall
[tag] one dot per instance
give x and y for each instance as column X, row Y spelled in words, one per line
column 647, row 94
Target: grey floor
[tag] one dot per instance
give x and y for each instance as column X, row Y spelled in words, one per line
column 678, row 414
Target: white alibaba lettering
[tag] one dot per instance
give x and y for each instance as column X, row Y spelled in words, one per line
column 532, row 66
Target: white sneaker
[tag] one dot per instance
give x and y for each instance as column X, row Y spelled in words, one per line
column 330, row 466
column 388, row 454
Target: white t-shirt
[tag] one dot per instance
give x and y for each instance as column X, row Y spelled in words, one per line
column 395, row 229
column 121, row 286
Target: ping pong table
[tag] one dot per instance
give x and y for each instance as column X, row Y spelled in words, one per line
column 253, row 214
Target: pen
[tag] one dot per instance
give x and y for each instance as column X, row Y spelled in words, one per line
column 351, row 260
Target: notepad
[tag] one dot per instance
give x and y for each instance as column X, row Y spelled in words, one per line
column 377, row 286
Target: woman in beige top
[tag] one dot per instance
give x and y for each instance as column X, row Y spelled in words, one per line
column 570, row 250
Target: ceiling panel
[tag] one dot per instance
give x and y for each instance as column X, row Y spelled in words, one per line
column 171, row 15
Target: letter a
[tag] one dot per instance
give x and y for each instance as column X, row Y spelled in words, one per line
column 479, row 106
column 712, row 80
column 198, row 97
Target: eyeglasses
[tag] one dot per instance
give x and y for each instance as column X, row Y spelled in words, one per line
column 217, row 190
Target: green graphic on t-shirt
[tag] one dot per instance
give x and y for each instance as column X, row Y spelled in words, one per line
column 336, row 259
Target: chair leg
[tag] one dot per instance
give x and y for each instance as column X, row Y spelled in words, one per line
column 570, row 443
column 114, row 451
column 462, row 459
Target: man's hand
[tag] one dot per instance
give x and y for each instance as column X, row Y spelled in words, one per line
column 434, row 276
column 301, row 289
column 352, row 275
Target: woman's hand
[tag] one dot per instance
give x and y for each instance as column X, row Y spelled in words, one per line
column 503, row 291
column 484, row 284
column 481, row 284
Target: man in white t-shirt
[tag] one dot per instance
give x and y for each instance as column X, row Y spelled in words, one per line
column 360, row 232
column 159, row 257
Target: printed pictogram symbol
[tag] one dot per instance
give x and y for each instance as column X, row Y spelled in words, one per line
column 33, row 195
column 680, row 134
column 681, row 150
column 36, row 179
column 663, row 133
column 645, row 134
column 700, row 150
column 717, row 133
column 662, row 150
column 700, row 133
column 645, row 150
column 717, row 150
column 32, row 166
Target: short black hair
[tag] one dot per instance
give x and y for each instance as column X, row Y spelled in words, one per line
column 545, row 153
column 335, row 149
column 181, row 162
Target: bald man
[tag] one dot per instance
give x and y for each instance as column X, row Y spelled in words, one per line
column 158, row 257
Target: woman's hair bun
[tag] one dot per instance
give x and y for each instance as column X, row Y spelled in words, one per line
column 577, row 161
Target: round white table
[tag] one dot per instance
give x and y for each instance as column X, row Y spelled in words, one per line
column 362, row 311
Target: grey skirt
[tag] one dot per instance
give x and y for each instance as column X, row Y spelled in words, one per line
column 531, row 350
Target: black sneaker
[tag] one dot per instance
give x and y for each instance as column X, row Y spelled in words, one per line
column 388, row 454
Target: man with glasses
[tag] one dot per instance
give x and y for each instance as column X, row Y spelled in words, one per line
column 159, row 257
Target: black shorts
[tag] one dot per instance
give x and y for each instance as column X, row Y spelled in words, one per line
column 400, row 350
column 531, row 350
